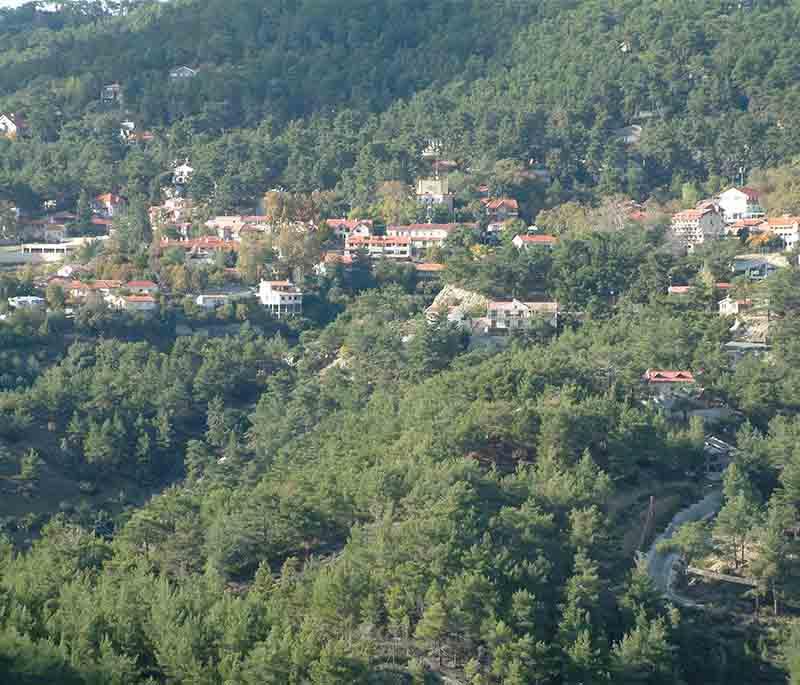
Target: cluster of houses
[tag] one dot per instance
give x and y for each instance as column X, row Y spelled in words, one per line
column 728, row 214
column 130, row 296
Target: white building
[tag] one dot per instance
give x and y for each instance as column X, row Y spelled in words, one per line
column 182, row 174
column 516, row 315
column 731, row 307
column 350, row 228
column 696, row 226
column 11, row 126
column 740, row 203
column 27, row 302
column 435, row 191
column 282, row 298
column 182, row 73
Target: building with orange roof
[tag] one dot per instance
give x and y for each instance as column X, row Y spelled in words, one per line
column 694, row 227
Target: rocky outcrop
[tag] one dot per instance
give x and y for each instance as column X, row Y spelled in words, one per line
column 467, row 302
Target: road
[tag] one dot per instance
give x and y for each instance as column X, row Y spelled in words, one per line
column 661, row 565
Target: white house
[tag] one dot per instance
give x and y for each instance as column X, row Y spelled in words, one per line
column 182, row 73
column 11, row 126
column 740, row 203
column 27, row 302
column 731, row 307
column 695, row 226
column 182, row 174
column 348, row 228
column 282, row 298
column 516, row 315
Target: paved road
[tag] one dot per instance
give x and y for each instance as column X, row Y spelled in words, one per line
column 661, row 565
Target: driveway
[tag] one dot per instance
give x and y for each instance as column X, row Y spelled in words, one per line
column 661, row 565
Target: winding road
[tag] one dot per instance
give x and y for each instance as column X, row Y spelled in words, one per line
column 661, row 565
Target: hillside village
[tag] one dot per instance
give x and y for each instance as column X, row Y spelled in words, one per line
column 401, row 342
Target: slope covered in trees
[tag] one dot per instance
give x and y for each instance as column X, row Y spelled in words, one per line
column 319, row 95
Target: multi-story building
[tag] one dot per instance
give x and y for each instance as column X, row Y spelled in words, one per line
column 695, row 226
column 282, row 298
column 387, row 247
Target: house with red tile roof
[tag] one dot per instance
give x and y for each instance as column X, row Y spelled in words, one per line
column 786, row 227
column 525, row 242
column 142, row 287
column 500, row 209
column 107, row 205
column 346, row 228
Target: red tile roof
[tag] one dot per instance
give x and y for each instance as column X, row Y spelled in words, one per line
column 430, row 267
column 377, row 241
column 493, row 204
column 141, row 284
column 538, row 239
column 660, row 376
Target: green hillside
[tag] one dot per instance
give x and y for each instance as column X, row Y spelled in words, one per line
column 320, row 94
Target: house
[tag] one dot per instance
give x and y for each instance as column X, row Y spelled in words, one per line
column 12, row 126
column 757, row 267
column 435, row 191
column 738, row 350
column 630, row 135
column 526, row 242
column 665, row 383
column 387, row 247
column 787, row 228
column 200, row 247
column 107, row 205
column 740, row 203
column 516, row 315
column 182, row 73
column 330, row 260
column 696, row 226
column 429, row 271
column 345, row 228
column 111, row 92
column 27, row 302
column 732, row 307
column 740, row 225
column 133, row 303
column 679, row 290
column 142, row 287
column 718, row 456
column 182, row 174
column 500, row 209
column 281, row 298
column 176, row 210
column 214, row 300
column 226, row 227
